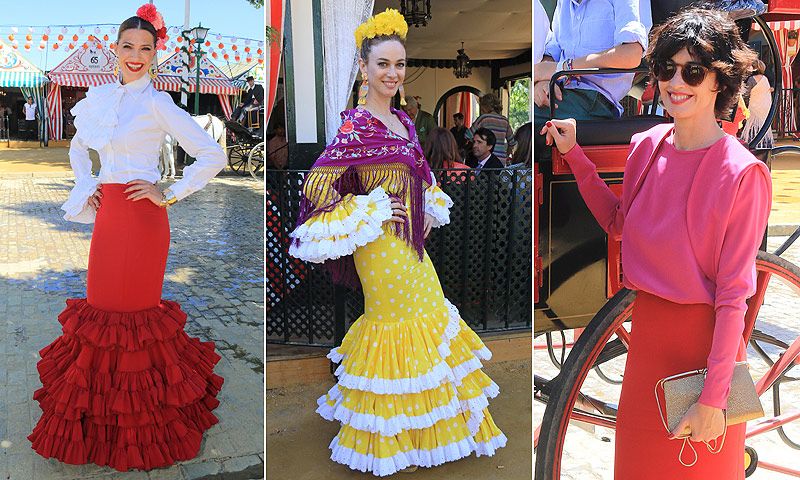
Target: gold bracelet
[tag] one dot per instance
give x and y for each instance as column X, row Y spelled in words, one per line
column 167, row 198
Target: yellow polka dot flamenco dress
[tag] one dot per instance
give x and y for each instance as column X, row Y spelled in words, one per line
column 410, row 388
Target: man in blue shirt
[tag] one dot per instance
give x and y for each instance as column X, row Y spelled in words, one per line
column 590, row 34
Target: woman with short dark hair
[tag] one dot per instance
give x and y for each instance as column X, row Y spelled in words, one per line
column 691, row 218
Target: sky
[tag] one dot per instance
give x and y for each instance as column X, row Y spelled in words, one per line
column 227, row 17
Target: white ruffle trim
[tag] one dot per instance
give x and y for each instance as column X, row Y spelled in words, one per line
column 451, row 330
column 490, row 448
column 389, row 465
column 440, row 373
column 320, row 241
column 476, row 406
column 424, row 458
column 76, row 207
column 484, row 353
column 385, row 426
column 427, row 381
column 334, row 355
column 440, row 213
column 96, row 116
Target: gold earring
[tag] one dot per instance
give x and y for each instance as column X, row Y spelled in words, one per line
column 362, row 92
column 116, row 71
column 402, row 96
column 153, row 72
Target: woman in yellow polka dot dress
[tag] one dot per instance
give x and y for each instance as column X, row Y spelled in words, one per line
column 411, row 391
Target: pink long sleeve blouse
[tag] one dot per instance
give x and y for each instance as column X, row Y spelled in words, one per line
column 662, row 257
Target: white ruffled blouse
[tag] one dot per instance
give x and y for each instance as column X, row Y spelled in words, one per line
column 356, row 221
column 126, row 125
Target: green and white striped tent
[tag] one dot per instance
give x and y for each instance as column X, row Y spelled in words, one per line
column 16, row 72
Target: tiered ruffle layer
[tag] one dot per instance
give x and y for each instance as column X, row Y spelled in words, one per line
column 130, row 390
column 411, row 393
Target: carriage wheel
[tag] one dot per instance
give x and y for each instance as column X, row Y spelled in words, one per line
column 255, row 162
column 578, row 400
column 237, row 159
column 750, row 460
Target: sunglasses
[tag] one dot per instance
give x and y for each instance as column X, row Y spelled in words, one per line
column 692, row 73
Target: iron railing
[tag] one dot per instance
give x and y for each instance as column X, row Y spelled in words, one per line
column 482, row 258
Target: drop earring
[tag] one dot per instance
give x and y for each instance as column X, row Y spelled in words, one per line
column 362, row 92
column 402, row 96
column 153, row 72
column 116, row 71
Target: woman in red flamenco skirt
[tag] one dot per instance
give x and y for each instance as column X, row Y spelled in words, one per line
column 125, row 386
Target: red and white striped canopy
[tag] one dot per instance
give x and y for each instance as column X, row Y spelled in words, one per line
column 781, row 25
column 207, row 85
column 162, row 82
column 81, row 79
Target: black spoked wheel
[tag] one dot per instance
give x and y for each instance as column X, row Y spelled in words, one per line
column 581, row 409
column 237, row 159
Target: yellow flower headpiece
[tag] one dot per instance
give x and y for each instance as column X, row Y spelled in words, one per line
column 390, row 22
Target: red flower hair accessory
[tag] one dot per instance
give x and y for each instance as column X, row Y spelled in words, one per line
column 148, row 12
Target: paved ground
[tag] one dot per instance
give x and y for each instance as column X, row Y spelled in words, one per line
column 215, row 271
column 298, row 438
column 778, row 317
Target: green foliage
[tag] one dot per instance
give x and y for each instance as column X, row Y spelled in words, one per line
column 519, row 103
column 256, row 3
column 271, row 34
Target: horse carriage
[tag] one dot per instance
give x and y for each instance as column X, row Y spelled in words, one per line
column 245, row 148
column 578, row 293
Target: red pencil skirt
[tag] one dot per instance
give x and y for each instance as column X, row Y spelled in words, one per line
column 125, row 386
column 667, row 338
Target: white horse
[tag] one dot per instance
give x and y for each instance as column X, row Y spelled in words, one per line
column 215, row 128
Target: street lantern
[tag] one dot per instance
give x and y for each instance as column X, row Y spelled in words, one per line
column 416, row 12
column 463, row 69
column 199, row 33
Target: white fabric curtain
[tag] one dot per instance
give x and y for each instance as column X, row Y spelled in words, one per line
column 339, row 20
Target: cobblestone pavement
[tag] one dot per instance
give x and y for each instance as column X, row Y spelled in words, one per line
column 589, row 452
column 215, row 271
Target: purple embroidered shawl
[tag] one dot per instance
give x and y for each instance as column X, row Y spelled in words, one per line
column 366, row 154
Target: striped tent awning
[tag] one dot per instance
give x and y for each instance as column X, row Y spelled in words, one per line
column 207, row 85
column 781, row 25
column 81, row 79
column 162, row 82
column 21, row 79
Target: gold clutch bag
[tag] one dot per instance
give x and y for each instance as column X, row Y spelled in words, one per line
column 683, row 390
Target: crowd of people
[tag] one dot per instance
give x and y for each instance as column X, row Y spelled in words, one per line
column 490, row 142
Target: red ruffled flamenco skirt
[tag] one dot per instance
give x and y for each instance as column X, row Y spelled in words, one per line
column 125, row 386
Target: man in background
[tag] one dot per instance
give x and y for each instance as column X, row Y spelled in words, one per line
column 459, row 131
column 423, row 121
column 483, row 142
column 30, row 119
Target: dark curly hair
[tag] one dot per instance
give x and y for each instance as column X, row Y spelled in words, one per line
column 713, row 39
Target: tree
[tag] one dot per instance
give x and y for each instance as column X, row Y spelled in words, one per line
column 519, row 103
column 256, row 3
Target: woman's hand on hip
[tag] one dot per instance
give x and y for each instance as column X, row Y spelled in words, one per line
column 399, row 213
column 142, row 189
column 562, row 132
column 94, row 199
column 705, row 423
